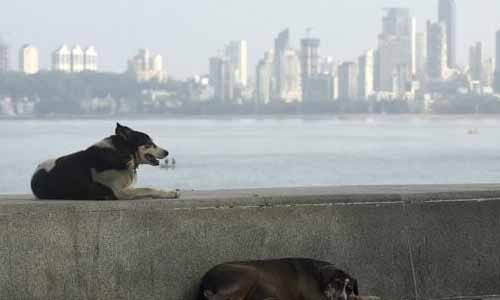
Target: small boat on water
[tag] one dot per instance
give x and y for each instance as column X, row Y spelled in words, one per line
column 167, row 164
column 473, row 131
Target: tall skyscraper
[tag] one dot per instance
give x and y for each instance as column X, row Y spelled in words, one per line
column 61, row 59
column 497, row 63
column 497, row 47
column 487, row 75
column 376, row 71
column 348, row 76
column 237, row 52
column 291, row 88
column 396, row 47
column 28, row 59
column 264, row 77
column 421, row 54
column 366, row 64
column 437, row 62
column 221, row 78
column 476, row 61
column 448, row 16
column 281, row 44
column 309, row 65
column 4, row 56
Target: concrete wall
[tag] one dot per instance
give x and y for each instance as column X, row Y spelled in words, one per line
column 416, row 242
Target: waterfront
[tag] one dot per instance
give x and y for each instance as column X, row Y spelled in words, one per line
column 226, row 153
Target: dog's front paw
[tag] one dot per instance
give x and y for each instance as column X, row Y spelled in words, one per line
column 168, row 195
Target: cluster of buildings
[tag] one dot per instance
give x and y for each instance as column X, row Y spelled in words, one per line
column 145, row 67
column 228, row 72
column 75, row 59
column 64, row 59
column 406, row 64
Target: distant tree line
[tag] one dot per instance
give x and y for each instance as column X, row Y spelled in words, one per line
column 60, row 92
column 64, row 93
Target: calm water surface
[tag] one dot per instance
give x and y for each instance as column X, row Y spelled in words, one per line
column 276, row 152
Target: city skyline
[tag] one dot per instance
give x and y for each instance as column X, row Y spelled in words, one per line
column 185, row 48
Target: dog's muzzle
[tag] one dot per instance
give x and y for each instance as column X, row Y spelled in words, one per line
column 153, row 156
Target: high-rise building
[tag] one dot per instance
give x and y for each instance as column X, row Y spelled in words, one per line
column 61, row 59
column 421, row 54
column 476, row 61
column 221, row 78
column 28, row 59
column 145, row 67
column 497, row 63
column 237, row 52
column 437, row 62
column 348, row 76
column 376, row 70
column 90, row 59
column 309, row 57
column 365, row 74
column 4, row 56
column 281, row 45
column 448, row 16
column 264, row 77
column 396, row 47
column 291, row 89
column 497, row 50
column 309, row 65
column 77, row 59
column 487, row 75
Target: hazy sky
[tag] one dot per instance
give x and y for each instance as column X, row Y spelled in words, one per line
column 187, row 32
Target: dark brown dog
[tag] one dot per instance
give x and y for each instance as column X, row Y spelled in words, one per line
column 281, row 279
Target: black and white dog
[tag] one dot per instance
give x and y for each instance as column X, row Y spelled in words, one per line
column 104, row 171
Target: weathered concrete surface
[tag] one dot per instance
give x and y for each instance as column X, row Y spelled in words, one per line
column 414, row 242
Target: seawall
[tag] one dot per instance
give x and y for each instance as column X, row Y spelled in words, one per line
column 401, row 242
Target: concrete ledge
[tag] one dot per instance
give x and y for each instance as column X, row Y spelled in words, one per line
column 402, row 242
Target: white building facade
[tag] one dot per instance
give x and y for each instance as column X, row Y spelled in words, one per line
column 75, row 59
column 28, row 59
column 237, row 52
column 90, row 59
column 291, row 90
column 366, row 64
column 61, row 59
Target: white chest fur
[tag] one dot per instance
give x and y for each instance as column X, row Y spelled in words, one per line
column 116, row 180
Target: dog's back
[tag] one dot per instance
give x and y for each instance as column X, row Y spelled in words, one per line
column 290, row 279
column 67, row 177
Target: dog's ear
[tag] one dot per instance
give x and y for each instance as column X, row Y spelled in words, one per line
column 122, row 131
